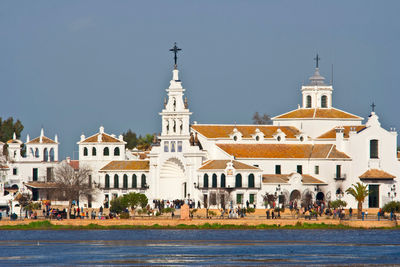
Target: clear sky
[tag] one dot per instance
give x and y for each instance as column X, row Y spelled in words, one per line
column 71, row 66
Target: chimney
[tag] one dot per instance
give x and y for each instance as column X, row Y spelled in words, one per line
column 82, row 137
column 56, row 138
column 27, row 138
column 340, row 138
column 41, row 135
column 121, row 137
column 68, row 159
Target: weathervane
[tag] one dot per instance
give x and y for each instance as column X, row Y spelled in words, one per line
column 373, row 106
column 175, row 49
column 317, row 59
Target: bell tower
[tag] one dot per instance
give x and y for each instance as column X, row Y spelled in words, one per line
column 175, row 115
column 317, row 94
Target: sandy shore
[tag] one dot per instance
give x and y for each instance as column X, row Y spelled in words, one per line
column 174, row 222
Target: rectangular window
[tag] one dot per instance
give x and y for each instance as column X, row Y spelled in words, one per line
column 251, row 198
column 166, row 145
column 373, row 149
column 239, row 198
column 300, row 169
column 338, row 171
column 179, row 146
column 49, row 174
column 316, row 169
column 277, row 169
column 34, row 174
column 14, row 171
column 172, row 146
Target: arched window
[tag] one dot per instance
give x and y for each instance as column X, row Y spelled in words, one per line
column 107, row 181
column 134, row 181
column 144, row 181
column 52, row 154
column 214, row 180
column 223, row 180
column 32, row 152
column 116, row 151
column 116, row 181
column 45, row 155
column 308, row 104
column 106, row 151
column 125, row 182
column 94, row 151
column 85, row 151
column 36, row 152
column 373, row 149
column 238, row 182
column 205, row 180
column 251, row 180
column 324, row 100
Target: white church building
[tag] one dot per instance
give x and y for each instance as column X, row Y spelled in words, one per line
column 313, row 153
column 310, row 154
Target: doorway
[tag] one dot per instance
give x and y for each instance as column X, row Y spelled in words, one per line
column 373, row 197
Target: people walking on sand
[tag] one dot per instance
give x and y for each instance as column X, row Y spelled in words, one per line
column 268, row 214
column 272, row 214
column 350, row 212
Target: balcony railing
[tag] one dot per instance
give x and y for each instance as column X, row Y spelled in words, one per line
column 340, row 176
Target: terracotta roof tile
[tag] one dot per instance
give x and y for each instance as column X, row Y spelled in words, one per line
column 331, row 134
column 284, row 178
column 74, row 164
column 317, row 113
column 223, row 131
column 127, row 165
column 308, row 179
column 221, row 165
column 14, row 141
column 45, row 140
column 105, row 138
column 377, row 174
column 40, row 185
column 275, row 178
column 282, row 151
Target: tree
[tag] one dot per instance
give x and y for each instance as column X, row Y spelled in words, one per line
column 118, row 205
column 8, row 127
column 145, row 142
column 134, row 200
column 130, row 138
column 70, row 184
column 359, row 192
column 338, row 203
column 264, row 119
column 23, row 200
column 392, row 206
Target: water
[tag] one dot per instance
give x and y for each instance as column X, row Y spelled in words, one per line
column 199, row 247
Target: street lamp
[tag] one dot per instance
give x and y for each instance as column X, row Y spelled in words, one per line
column 392, row 193
column 339, row 193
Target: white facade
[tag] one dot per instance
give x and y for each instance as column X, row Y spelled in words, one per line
column 315, row 152
column 312, row 153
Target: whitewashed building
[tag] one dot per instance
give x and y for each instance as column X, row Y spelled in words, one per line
column 312, row 153
column 28, row 173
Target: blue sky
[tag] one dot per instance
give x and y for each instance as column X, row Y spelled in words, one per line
column 72, row 66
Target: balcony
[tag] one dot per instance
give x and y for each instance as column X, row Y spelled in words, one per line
column 340, row 177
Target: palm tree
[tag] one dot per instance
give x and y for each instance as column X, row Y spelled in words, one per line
column 359, row 192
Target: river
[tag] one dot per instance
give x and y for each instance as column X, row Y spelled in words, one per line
column 199, row 247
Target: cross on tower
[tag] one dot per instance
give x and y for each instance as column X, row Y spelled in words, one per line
column 373, row 106
column 175, row 49
column 317, row 59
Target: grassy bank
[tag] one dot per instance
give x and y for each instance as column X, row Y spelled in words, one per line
column 47, row 225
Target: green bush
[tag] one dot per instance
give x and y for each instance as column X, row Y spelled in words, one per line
column 212, row 213
column 193, row 211
column 251, row 210
column 124, row 215
column 391, row 206
column 168, row 210
column 337, row 204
